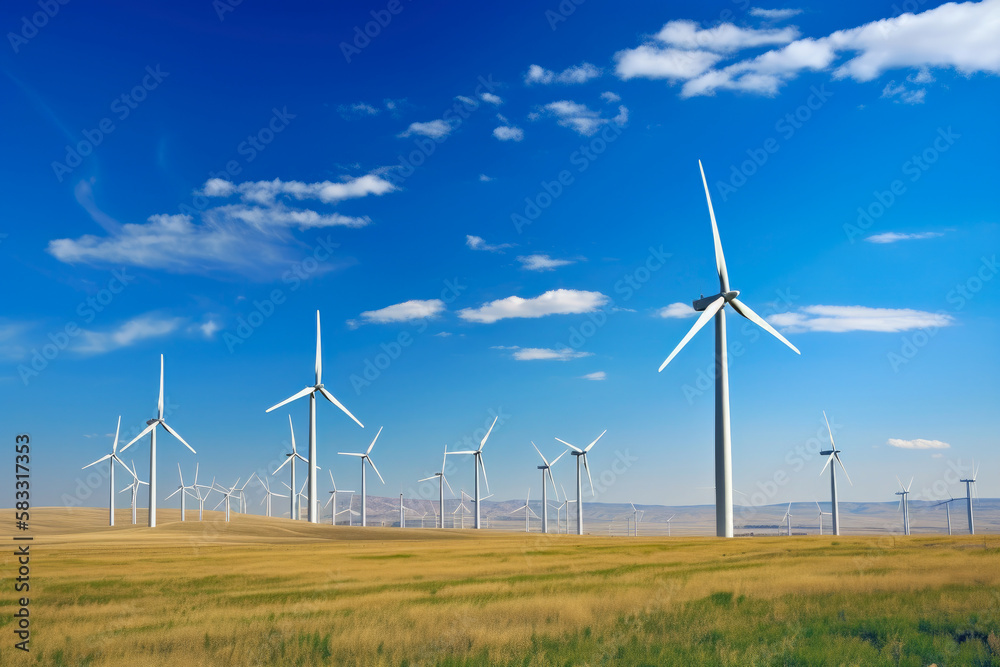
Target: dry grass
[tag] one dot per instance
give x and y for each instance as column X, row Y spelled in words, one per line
column 259, row 592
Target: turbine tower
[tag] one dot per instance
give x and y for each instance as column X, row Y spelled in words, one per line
column 947, row 509
column 364, row 487
column 151, row 429
column 821, row 514
column 903, row 505
column 581, row 454
column 788, row 518
column 833, row 454
column 970, row 490
column 713, row 306
column 547, row 470
column 313, row 513
column 478, row 456
column 293, row 512
column 668, row 523
column 441, row 483
column 113, row 456
column 636, row 517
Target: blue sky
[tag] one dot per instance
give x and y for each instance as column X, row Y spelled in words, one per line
column 498, row 210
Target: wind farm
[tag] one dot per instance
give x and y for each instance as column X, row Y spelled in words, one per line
column 490, row 239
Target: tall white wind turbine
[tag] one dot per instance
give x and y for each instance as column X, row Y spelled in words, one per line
column 903, row 492
column 947, row 509
column 713, row 306
column 313, row 513
column 226, row 495
column 478, row 457
column 134, row 487
column 365, row 456
column 151, row 430
column 833, row 454
column 183, row 489
column 293, row 512
column 442, row 481
column 668, row 523
column 333, row 499
column 111, row 458
column 546, row 469
column 970, row 491
column 582, row 454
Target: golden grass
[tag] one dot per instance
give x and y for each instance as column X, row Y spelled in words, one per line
column 262, row 591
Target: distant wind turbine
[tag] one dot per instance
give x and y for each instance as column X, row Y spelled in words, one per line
column 713, row 306
column 311, row 392
column 202, row 498
column 364, row 487
column 582, row 454
column 183, row 489
column 442, row 481
column 111, row 458
column 267, row 494
column 947, row 509
column 788, row 518
column 527, row 508
column 636, row 517
column 833, row 454
column 970, row 491
column 333, row 499
column 546, row 469
column 903, row 505
column 668, row 523
column 226, row 495
column 151, row 429
column 820, row 515
column 477, row 455
column 134, row 487
column 293, row 512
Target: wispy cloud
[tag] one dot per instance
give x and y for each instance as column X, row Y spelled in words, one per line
column 508, row 133
column 542, row 354
column 577, row 74
column 774, row 14
column 580, row 118
column 126, row 334
column 900, row 93
column 553, row 302
column 328, row 192
column 917, row 444
column 597, row 376
column 483, row 178
column 407, row 311
column 435, row 129
column 677, row 310
column 893, row 237
column 491, row 98
column 842, row 319
column 541, row 262
column 479, row 243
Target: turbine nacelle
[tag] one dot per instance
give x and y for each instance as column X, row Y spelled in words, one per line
column 706, row 301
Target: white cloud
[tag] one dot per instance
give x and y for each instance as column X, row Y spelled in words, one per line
column 328, row 192
column 542, row 354
column 841, row 319
column 917, row 444
column 414, row 309
column 597, row 375
column 279, row 215
column 892, row 237
column 541, row 262
column 653, row 62
column 435, row 129
column 491, row 98
column 505, row 133
column 479, row 243
column 900, row 93
column 774, row 14
column 610, row 97
column 577, row 74
column 553, row 302
column 483, row 178
column 722, row 38
column 135, row 330
column 677, row 310
column 443, row 334
column 580, row 118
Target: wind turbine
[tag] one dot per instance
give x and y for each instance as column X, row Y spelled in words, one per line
column 268, row 493
column 668, row 523
column 350, row 511
column 821, row 513
column 242, row 496
column 201, row 499
column 566, row 503
column 636, row 516
column 463, row 508
column 903, row 505
column 833, row 454
column 788, row 518
column 713, row 306
column 478, row 456
column 364, row 487
column 527, row 508
column 441, row 483
column 313, row 514
column 293, row 512
column 547, row 470
column 134, row 486
column 402, row 512
column 151, row 429
column 582, row 454
column 226, row 494
column 947, row 509
column 182, row 489
column 969, row 492
column 112, row 457
column 333, row 499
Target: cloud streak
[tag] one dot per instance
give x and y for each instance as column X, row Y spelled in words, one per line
column 553, row 302
column 843, row 319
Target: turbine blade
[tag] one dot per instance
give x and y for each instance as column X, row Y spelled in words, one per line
column 444, row 459
column 486, row 479
column 561, row 454
column 575, row 449
column 159, row 403
column 114, row 447
column 287, row 459
column 829, row 430
column 720, row 260
column 445, row 480
column 331, row 479
column 843, row 468
column 427, row 479
column 375, row 469
column 553, row 479
column 485, row 437
column 587, row 467
column 372, row 446
column 352, row 454
column 587, row 448
column 144, row 432
column 333, row 399
column 909, row 485
column 540, row 454
column 304, row 392
column 292, row 430
column 178, row 436
column 174, row 493
column 706, row 315
column 828, row 459
column 471, row 451
column 103, row 458
column 319, row 358
column 748, row 313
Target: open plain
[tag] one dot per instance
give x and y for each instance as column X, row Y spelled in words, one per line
column 260, row 591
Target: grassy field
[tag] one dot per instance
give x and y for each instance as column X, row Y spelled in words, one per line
column 263, row 591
